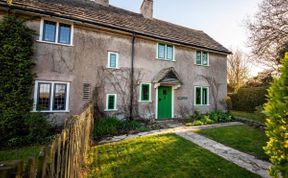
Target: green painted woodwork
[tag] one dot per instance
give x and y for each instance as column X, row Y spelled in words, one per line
column 164, row 102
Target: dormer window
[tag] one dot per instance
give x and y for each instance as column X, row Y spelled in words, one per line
column 165, row 52
column 56, row 32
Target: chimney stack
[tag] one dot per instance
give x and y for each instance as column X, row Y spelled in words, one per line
column 102, row 2
column 147, row 9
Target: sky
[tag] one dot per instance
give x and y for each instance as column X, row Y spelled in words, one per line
column 223, row 20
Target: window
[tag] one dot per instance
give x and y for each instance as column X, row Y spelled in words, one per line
column 51, row 96
column 145, row 92
column 111, row 102
column 113, row 60
column 56, row 32
column 202, row 58
column 165, row 51
column 201, row 95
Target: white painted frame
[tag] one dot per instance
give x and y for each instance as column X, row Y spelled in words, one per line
column 201, row 95
column 57, row 32
column 208, row 58
column 172, row 102
column 51, row 95
column 140, row 93
column 117, row 60
column 165, row 52
column 115, row 102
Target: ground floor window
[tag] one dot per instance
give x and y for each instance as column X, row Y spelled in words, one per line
column 51, row 96
column 111, row 102
column 201, row 95
column 145, row 92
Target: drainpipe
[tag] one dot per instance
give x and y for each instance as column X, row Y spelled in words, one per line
column 132, row 78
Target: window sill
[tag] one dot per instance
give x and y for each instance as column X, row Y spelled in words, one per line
column 162, row 59
column 150, row 101
column 110, row 110
column 203, row 105
column 52, row 111
column 61, row 44
column 202, row 65
column 113, row 68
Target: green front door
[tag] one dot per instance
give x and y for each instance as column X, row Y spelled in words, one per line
column 164, row 102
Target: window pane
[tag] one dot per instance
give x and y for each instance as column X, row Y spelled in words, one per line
column 44, row 93
column 198, row 95
column 205, row 96
column 64, row 33
column 204, row 58
column 49, row 31
column 198, row 57
column 59, row 102
column 161, row 51
column 169, row 52
column 111, row 102
column 113, row 59
column 145, row 92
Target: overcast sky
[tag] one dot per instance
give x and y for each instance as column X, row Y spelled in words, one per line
column 223, row 20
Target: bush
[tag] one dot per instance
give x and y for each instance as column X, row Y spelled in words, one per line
column 276, row 110
column 228, row 102
column 246, row 99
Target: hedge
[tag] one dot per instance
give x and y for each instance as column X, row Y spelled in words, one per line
column 246, row 99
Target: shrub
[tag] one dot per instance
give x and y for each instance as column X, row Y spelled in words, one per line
column 16, row 77
column 246, row 99
column 276, row 111
column 228, row 102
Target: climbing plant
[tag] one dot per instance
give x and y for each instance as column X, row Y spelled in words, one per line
column 16, row 77
column 276, row 110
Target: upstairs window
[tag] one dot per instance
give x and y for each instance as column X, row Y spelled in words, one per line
column 201, row 95
column 111, row 102
column 202, row 58
column 113, row 60
column 145, row 92
column 51, row 96
column 55, row 32
column 165, row 51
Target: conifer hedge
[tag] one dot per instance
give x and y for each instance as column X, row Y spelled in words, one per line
column 276, row 111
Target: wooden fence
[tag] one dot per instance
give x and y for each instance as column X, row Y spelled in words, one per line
column 63, row 158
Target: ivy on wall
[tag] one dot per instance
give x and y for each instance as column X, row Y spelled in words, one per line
column 16, row 77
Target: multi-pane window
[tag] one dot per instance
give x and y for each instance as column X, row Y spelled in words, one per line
column 111, row 102
column 51, row 96
column 113, row 60
column 165, row 51
column 201, row 95
column 145, row 92
column 202, row 58
column 56, row 32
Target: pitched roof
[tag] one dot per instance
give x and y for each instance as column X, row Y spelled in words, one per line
column 113, row 17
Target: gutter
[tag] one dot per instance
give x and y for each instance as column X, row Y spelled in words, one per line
column 132, row 77
column 39, row 12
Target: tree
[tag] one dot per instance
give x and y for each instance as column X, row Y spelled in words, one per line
column 263, row 78
column 269, row 32
column 16, row 77
column 276, row 111
column 237, row 70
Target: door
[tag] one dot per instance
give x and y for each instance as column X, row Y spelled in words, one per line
column 164, row 102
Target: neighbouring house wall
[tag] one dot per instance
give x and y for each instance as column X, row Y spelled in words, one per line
column 86, row 61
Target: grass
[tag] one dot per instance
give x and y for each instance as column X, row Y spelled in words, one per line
column 19, row 153
column 249, row 115
column 160, row 156
column 243, row 138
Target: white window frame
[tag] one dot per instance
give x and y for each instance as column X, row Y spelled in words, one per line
column 140, row 93
column 165, row 53
column 51, row 95
column 117, row 60
column 115, row 102
column 208, row 54
column 57, row 32
column 201, row 95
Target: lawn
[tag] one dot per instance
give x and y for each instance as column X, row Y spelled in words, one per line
column 244, row 138
column 160, row 156
column 249, row 115
column 19, row 153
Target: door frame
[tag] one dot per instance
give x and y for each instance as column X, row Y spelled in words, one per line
column 172, row 101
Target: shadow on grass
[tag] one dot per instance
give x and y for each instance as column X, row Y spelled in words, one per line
column 160, row 156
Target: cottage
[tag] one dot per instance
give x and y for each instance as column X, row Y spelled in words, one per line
column 130, row 64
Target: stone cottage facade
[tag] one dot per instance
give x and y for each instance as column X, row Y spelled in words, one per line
column 130, row 64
